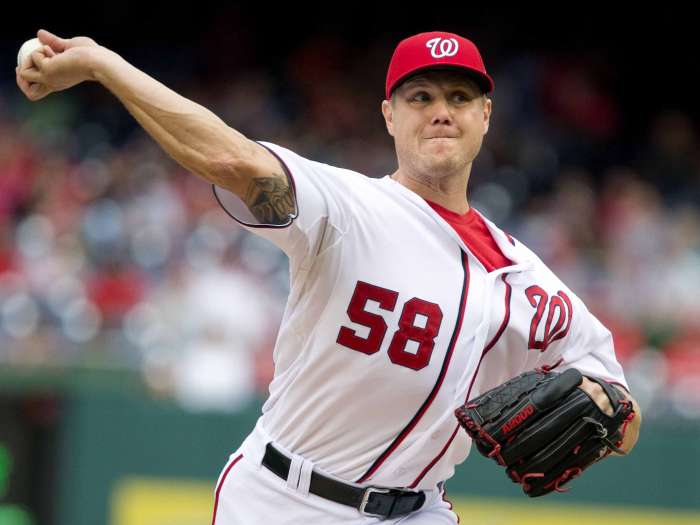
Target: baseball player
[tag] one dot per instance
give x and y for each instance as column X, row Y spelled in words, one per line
column 404, row 300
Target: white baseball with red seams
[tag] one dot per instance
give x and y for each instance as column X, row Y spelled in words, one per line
column 392, row 322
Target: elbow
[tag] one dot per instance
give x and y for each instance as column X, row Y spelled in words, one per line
column 234, row 168
column 228, row 172
column 229, row 169
column 224, row 170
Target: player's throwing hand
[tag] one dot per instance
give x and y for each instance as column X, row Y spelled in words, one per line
column 60, row 64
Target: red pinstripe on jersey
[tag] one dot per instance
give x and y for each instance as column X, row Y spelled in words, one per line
column 221, row 484
column 443, row 371
column 488, row 347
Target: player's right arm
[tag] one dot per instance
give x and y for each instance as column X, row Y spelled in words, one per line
column 191, row 134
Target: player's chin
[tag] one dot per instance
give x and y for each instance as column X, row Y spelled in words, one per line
column 442, row 148
column 441, row 163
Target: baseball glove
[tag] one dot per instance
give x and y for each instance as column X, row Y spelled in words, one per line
column 544, row 429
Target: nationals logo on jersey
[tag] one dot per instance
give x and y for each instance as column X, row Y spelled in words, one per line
column 558, row 305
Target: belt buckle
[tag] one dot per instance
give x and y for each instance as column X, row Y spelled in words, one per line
column 365, row 500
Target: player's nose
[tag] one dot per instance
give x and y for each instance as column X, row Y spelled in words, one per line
column 441, row 112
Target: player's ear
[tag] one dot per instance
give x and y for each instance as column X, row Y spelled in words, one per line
column 487, row 113
column 388, row 112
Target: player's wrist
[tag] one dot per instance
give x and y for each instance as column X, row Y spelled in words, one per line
column 629, row 428
column 99, row 62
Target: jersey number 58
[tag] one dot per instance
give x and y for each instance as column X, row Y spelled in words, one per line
column 407, row 330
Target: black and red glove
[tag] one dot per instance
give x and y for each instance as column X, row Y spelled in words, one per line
column 543, row 429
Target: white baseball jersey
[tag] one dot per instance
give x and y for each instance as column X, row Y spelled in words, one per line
column 392, row 323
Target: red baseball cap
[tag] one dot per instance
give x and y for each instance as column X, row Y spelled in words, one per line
column 436, row 50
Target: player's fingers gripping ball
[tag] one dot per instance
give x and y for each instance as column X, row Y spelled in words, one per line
column 543, row 429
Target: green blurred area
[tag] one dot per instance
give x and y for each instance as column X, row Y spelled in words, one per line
column 14, row 515
column 16, row 380
column 5, row 468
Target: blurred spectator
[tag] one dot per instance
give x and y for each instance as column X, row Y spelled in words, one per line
column 671, row 159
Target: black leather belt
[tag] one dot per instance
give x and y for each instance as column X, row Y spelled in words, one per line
column 370, row 501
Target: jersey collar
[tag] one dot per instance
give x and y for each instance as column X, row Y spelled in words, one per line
column 523, row 261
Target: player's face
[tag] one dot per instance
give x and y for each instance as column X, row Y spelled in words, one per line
column 438, row 122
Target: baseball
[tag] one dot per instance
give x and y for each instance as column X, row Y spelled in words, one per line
column 27, row 49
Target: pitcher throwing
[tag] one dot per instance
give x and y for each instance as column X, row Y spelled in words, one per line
column 405, row 302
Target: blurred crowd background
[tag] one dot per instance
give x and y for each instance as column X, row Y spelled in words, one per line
column 114, row 257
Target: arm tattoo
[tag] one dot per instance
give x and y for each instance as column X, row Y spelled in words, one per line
column 270, row 199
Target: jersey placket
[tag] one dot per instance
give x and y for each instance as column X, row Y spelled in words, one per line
column 482, row 330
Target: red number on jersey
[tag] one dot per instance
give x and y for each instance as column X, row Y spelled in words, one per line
column 564, row 310
column 408, row 331
column 357, row 314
